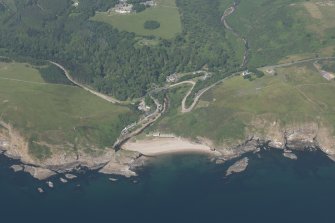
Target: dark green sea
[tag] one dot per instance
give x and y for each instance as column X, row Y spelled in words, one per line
column 181, row 188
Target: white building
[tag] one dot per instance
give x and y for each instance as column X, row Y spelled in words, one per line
column 172, row 78
column 143, row 107
column 75, row 3
column 149, row 3
column 123, row 8
column 246, row 73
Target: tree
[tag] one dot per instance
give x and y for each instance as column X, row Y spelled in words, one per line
column 151, row 24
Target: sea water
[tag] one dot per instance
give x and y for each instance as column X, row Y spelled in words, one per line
column 180, row 188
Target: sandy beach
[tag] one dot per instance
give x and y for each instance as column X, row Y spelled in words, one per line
column 159, row 146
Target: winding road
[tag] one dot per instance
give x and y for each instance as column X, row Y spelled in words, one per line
column 244, row 63
column 201, row 92
column 146, row 121
column 100, row 95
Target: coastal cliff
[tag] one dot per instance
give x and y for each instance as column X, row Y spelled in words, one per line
column 62, row 160
column 303, row 136
column 299, row 136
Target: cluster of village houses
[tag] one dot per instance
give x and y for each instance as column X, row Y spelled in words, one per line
column 124, row 8
column 143, row 107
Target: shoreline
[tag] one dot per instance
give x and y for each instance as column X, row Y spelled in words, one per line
column 138, row 152
column 164, row 146
column 150, row 148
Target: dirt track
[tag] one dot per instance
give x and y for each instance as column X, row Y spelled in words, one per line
column 100, row 95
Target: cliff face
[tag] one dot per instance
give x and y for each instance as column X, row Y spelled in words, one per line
column 15, row 146
column 298, row 136
column 301, row 136
column 326, row 141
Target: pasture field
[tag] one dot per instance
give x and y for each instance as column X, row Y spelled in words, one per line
column 166, row 13
column 56, row 114
column 276, row 29
column 10, row 4
column 321, row 13
column 296, row 94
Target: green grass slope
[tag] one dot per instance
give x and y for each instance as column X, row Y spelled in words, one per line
column 57, row 114
column 297, row 94
column 276, row 29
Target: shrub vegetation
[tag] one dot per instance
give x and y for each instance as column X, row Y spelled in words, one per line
column 151, row 24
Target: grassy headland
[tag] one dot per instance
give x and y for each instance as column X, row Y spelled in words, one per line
column 57, row 114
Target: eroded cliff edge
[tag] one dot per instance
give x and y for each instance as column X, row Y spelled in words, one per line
column 62, row 159
column 302, row 136
column 297, row 136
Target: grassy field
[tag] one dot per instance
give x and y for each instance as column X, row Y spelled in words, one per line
column 321, row 14
column 10, row 4
column 276, row 29
column 166, row 13
column 296, row 94
column 56, row 114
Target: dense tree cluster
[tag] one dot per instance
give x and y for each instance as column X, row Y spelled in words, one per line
column 53, row 74
column 107, row 59
column 328, row 66
column 137, row 6
column 151, row 24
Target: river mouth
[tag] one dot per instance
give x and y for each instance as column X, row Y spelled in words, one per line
column 181, row 188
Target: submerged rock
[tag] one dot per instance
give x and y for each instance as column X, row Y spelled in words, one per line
column 70, row 176
column 63, row 180
column 290, row 155
column 219, row 161
column 50, row 184
column 239, row 166
column 40, row 190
